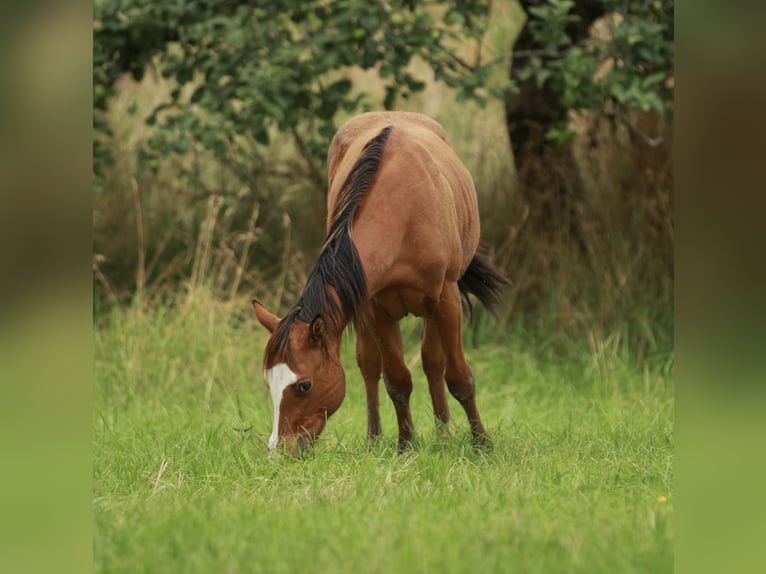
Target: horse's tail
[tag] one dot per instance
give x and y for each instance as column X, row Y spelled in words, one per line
column 484, row 281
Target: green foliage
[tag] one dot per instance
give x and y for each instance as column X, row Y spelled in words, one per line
column 629, row 61
column 244, row 69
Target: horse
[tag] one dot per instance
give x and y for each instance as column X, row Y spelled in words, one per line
column 402, row 235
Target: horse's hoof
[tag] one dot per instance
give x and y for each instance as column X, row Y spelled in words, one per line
column 405, row 446
column 482, row 441
column 443, row 431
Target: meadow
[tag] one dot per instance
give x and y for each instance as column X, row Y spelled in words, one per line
column 580, row 478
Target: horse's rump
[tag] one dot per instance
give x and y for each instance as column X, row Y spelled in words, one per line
column 418, row 223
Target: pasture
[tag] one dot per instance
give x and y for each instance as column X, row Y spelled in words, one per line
column 580, row 478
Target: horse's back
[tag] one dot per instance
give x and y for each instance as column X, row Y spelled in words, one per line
column 418, row 223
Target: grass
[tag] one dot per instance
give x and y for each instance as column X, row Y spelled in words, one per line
column 580, row 479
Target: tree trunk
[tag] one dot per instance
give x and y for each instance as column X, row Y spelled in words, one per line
column 550, row 189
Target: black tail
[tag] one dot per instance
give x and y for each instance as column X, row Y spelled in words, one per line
column 484, row 281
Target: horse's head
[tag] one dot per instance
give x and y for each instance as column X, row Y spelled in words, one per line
column 302, row 369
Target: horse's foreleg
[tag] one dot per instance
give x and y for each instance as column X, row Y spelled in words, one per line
column 368, row 359
column 395, row 375
column 448, row 314
column 434, row 365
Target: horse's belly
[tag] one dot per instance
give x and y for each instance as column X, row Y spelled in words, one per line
column 398, row 302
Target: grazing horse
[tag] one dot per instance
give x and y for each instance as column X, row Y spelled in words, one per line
column 402, row 233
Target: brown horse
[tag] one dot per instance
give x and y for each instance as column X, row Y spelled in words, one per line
column 403, row 228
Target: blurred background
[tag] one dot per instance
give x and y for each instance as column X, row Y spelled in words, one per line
column 213, row 117
column 623, row 283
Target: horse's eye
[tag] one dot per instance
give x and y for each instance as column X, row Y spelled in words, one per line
column 303, row 387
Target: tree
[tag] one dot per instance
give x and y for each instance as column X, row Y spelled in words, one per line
column 559, row 66
column 605, row 248
column 272, row 64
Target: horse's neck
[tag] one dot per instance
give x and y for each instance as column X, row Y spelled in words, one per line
column 337, row 327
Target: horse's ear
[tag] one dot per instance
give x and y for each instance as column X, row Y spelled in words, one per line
column 317, row 328
column 268, row 320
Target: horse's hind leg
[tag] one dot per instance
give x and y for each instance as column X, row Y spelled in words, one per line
column 434, row 365
column 368, row 359
column 395, row 375
column 448, row 315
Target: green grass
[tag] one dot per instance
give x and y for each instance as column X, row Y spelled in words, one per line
column 580, row 479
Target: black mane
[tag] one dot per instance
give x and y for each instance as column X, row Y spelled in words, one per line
column 338, row 265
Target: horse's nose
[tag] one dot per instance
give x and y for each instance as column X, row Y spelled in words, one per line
column 299, row 444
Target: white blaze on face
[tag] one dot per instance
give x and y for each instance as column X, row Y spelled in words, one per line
column 278, row 377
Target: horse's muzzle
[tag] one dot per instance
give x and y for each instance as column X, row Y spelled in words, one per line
column 296, row 444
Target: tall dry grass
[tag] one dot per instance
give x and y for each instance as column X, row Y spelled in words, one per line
column 597, row 261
